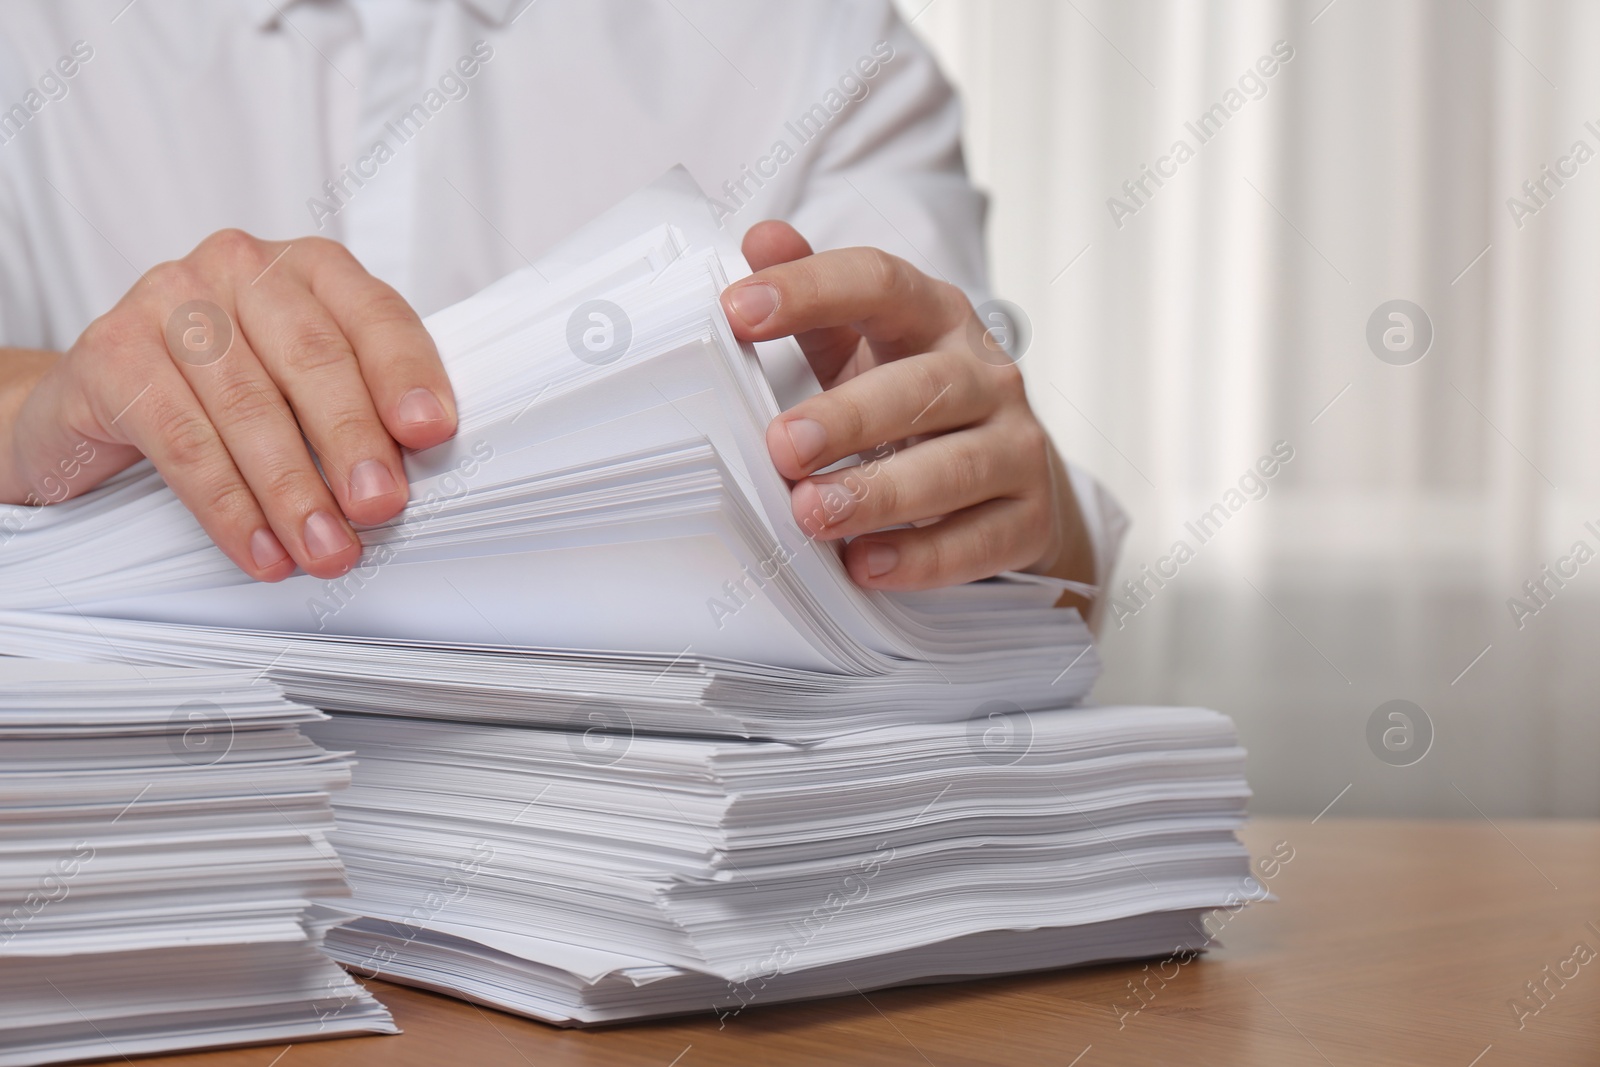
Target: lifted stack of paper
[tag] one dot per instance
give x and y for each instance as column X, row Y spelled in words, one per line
column 609, row 489
column 164, row 836
column 588, row 878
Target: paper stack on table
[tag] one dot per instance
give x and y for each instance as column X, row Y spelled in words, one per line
column 623, row 727
column 585, row 879
column 165, row 834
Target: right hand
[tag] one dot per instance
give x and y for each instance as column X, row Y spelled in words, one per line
column 321, row 352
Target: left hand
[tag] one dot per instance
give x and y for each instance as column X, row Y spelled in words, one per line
column 894, row 349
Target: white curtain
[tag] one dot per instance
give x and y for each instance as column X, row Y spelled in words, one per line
column 1229, row 311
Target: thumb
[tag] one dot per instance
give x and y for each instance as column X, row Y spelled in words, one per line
column 60, row 449
column 748, row 302
column 769, row 243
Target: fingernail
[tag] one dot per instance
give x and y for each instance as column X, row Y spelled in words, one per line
column 881, row 559
column 370, row 480
column 807, row 438
column 266, row 550
column 325, row 535
column 420, row 406
column 754, row 303
column 838, row 504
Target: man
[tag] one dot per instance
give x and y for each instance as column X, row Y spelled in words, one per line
column 168, row 151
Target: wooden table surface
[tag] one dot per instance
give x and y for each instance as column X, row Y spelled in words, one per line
column 1392, row 942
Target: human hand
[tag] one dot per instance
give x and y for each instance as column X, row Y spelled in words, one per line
column 896, row 352
column 290, row 344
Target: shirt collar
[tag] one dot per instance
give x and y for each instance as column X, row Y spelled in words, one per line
column 264, row 14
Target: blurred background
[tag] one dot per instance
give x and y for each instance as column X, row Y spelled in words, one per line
column 1441, row 459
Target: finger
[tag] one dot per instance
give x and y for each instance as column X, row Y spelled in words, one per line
column 772, row 242
column 315, row 369
column 937, row 477
column 136, row 396
column 980, row 542
column 254, row 422
column 893, row 305
column 920, row 395
column 398, row 359
column 767, row 244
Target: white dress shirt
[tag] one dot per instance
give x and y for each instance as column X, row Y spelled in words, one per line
column 448, row 142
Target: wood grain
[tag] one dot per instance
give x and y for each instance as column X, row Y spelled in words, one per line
column 1392, row 942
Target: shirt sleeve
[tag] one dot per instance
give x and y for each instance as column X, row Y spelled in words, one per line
column 21, row 308
column 888, row 172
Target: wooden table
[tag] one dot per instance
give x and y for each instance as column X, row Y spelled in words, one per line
column 1393, row 942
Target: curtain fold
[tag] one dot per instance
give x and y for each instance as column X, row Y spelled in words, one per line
column 1184, row 329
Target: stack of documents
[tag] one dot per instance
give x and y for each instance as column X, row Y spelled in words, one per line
column 609, row 489
column 165, row 834
column 588, row 878
column 630, row 742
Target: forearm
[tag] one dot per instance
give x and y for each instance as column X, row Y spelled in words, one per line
column 20, row 370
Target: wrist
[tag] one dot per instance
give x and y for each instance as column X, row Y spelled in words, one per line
column 1071, row 553
column 21, row 370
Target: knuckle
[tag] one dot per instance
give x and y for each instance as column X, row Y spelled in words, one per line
column 933, row 562
column 232, row 247
column 325, row 248
column 952, row 297
column 351, row 428
column 228, row 498
column 850, row 415
column 985, row 548
column 242, row 401
column 886, row 273
column 966, row 472
column 1026, row 470
column 388, row 308
column 800, row 286
column 1009, row 383
column 176, row 279
column 288, row 484
column 313, row 347
column 189, row 437
column 882, row 497
column 1032, row 441
column 112, row 336
column 929, row 386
